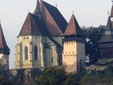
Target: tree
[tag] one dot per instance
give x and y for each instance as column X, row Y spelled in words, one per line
column 52, row 76
column 71, row 80
column 93, row 35
column 4, row 81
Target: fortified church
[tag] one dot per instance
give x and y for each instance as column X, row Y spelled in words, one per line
column 47, row 40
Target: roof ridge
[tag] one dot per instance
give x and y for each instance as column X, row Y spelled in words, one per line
column 111, row 14
column 59, row 32
column 35, row 24
column 61, row 28
column 109, row 26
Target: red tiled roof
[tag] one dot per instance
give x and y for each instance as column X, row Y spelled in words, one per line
column 3, row 45
column 50, row 17
column 55, row 22
column 49, row 22
column 29, row 27
column 73, row 28
column 57, row 16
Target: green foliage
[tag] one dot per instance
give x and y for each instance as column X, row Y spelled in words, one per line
column 104, row 77
column 99, row 78
column 57, row 76
column 15, row 80
column 71, row 80
column 30, row 83
column 93, row 34
column 4, row 81
column 52, row 76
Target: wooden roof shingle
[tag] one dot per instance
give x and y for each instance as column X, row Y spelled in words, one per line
column 30, row 27
column 73, row 28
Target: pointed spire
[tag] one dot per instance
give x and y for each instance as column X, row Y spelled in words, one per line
column 73, row 28
column 109, row 28
column 3, row 46
column 109, row 24
column 112, row 2
column 37, row 9
column 112, row 10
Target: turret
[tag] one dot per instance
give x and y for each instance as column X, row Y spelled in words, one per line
column 37, row 10
column 73, row 47
column 4, row 51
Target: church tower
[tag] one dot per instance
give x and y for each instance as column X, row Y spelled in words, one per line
column 4, row 51
column 40, row 39
column 106, row 42
column 73, row 55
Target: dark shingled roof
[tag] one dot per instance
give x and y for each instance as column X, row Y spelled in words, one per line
column 108, row 36
column 111, row 12
column 109, row 24
column 41, row 26
column 37, row 9
column 44, row 30
column 3, row 45
column 57, row 16
column 54, row 21
column 73, row 28
column 30, row 27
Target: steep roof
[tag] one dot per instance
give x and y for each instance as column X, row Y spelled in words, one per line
column 55, row 22
column 40, row 25
column 111, row 12
column 111, row 17
column 73, row 28
column 57, row 16
column 30, row 26
column 3, row 45
column 108, row 36
column 49, row 16
column 109, row 25
column 37, row 9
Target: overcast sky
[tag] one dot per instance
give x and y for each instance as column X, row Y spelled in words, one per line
column 14, row 12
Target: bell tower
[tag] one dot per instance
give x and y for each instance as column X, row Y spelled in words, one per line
column 73, row 55
column 106, row 42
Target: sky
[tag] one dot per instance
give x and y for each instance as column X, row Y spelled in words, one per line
column 14, row 12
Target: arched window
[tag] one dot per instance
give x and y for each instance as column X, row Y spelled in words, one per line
column 35, row 52
column 26, row 53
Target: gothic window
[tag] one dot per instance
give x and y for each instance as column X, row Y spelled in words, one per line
column 51, row 60
column 20, row 49
column 35, row 52
column 26, row 53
